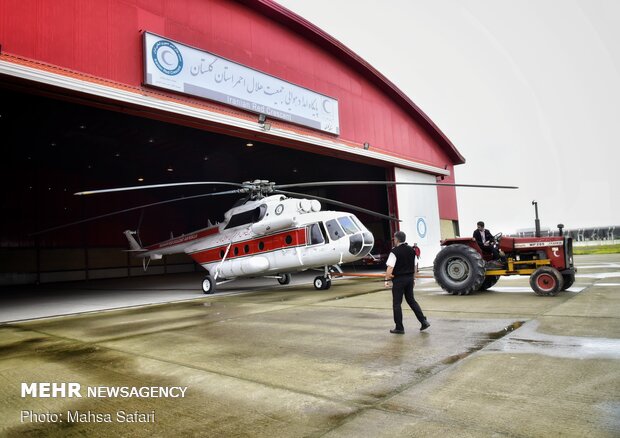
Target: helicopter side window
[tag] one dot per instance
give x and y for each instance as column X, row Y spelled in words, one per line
column 316, row 236
column 334, row 230
column 348, row 225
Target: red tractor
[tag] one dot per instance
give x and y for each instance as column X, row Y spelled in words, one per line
column 461, row 267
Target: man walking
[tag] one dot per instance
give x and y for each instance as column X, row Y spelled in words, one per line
column 400, row 269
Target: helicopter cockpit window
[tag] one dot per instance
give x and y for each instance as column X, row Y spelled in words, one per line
column 316, row 236
column 247, row 217
column 357, row 222
column 334, row 230
column 348, row 225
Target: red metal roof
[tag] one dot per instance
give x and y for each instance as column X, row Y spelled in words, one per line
column 313, row 33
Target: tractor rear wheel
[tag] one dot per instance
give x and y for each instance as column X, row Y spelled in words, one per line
column 569, row 279
column 546, row 281
column 459, row 269
column 489, row 282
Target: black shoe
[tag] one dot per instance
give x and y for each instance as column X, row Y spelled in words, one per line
column 425, row 325
column 397, row 332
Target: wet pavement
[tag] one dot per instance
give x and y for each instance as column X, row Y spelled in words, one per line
column 293, row 361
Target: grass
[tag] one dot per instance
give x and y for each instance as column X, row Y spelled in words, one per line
column 598, row 249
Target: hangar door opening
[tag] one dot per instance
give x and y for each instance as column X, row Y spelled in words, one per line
column 54, row 148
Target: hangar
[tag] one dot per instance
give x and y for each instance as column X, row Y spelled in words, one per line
column 94, row 95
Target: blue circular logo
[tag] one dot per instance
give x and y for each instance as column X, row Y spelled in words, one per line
column 421, row 227
column 167, row 57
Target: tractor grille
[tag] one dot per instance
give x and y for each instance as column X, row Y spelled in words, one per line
column 568, row 253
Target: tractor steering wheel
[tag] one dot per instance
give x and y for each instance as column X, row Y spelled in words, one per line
column 497, row 237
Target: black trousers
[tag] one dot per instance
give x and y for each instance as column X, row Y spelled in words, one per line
column 404, row 286
column 491, row 250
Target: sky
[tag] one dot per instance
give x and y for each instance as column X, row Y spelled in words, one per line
column 528, row 91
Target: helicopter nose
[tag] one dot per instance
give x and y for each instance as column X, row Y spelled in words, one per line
column 360, row 244
column 356, row 242
column 369, row 241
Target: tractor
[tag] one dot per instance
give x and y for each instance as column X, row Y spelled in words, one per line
column 461, row 267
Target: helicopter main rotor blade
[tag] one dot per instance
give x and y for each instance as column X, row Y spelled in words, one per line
column 341, row 204
column 157, row 186
column 47, row 230
column 386, row 183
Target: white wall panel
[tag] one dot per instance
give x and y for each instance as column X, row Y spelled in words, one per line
column 418, row 208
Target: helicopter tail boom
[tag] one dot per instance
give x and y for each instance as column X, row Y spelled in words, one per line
column 133, row 243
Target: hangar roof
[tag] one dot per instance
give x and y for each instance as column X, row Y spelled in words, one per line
column 308, row 30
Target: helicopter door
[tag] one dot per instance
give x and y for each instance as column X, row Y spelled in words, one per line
column 316, row 250
column 316, row 235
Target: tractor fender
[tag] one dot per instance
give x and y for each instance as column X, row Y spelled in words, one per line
column 467, row 241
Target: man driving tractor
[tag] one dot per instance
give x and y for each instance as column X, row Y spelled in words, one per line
column 485, row 241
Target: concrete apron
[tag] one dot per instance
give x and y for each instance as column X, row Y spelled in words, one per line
column 299, row 362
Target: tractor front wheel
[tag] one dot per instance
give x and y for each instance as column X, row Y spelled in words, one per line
column 459, row 269
column 546, row 281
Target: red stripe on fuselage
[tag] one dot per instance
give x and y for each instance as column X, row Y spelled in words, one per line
column 252, row 247
column 184, row 239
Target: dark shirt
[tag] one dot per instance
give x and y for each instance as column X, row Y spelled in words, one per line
column 405, row 260
column 487, row 236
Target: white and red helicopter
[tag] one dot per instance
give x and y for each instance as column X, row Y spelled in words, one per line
column 268, row 233
column 270, row 236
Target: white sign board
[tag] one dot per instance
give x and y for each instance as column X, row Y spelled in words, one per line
column 177, row 67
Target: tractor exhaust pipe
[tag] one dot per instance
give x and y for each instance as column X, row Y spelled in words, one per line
column 536, row 220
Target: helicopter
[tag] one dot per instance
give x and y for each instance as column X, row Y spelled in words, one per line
column 270, row 232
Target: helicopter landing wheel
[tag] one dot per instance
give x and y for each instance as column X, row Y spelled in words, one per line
column 284, row 279
column 208, row 285
column 322, row 283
